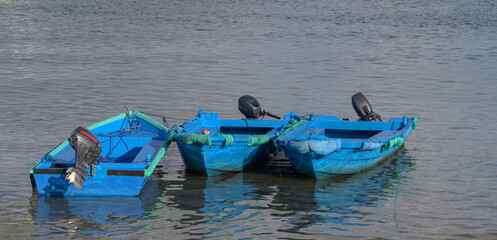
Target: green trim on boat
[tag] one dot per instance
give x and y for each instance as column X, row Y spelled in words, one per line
column 151, row 167
column 228, row 139
column 257, row 140
column 170, row 136
column 57, row 149
column 107, row 121
column 291, row 126
column 192, row 138
column 151, row 121
column 414, row 123
column 394, row 142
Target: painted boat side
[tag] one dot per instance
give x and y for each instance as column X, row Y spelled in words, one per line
column 109, row 185
column 236, row 156
column 348, row 163
column 111, row 178
column 351, row 155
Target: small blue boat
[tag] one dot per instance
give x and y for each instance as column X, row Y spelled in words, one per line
column 211, row 145
column 328, row 145
column 114, row 157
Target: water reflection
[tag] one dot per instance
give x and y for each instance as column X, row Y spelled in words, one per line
column 221, row 197
column 88, row 216
column 226, row 204
column 337, row 202
column 265, row 202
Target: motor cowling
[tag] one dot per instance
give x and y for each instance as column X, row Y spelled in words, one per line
column 251, row 109
column 87, row 149
column 364, row 109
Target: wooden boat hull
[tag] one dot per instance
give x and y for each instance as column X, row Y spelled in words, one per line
column 327, row 145
column 213, row 154
column 118, row 185
column 344, row 162
column 130, row 157
column 235, row 158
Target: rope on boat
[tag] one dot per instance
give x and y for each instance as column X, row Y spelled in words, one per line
column 111, row 149
column 228, row 138
column 257, row 140
column 246, row 122
column 398, row 141
column 164, row 118
column 292, row 126
column 414, row 123
column 396, row 197
column 191, row 138
column 175, row 134
column 394, row 142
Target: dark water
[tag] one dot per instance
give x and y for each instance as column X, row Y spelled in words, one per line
column 66, row 63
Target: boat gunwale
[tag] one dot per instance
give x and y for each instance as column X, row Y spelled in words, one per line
column 304, row 130
column 212, row 122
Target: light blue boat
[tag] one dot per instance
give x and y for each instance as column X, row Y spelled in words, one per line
column 115, row 157
column 328, row 145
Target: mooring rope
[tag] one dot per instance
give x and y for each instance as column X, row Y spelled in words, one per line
column 396, row 196
column 157, row 115
column 164, row 118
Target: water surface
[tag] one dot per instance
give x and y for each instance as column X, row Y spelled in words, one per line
column 65, row 64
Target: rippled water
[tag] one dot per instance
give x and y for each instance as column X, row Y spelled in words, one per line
column 66, row 63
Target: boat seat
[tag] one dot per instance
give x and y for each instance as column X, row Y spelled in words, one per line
column 152, row 147
column 386, row 134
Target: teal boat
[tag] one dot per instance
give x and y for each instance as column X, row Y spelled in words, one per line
column 327, row 145
column 115, row 157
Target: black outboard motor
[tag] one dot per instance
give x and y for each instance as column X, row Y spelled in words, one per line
column 88, row 149
column 250, row 107
column 363, row 108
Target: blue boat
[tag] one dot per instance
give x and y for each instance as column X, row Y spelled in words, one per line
column 211, row 145
column 327, row 145
column 115, row 157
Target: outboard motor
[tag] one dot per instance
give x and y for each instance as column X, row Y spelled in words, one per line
column 88, row 149
column 250, row 107
column 363, row 108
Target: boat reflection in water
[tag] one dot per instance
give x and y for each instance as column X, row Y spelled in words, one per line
column 340, row 205
column 92, row 216
column 283, row 203
column 264, row 203
column 222, row 197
